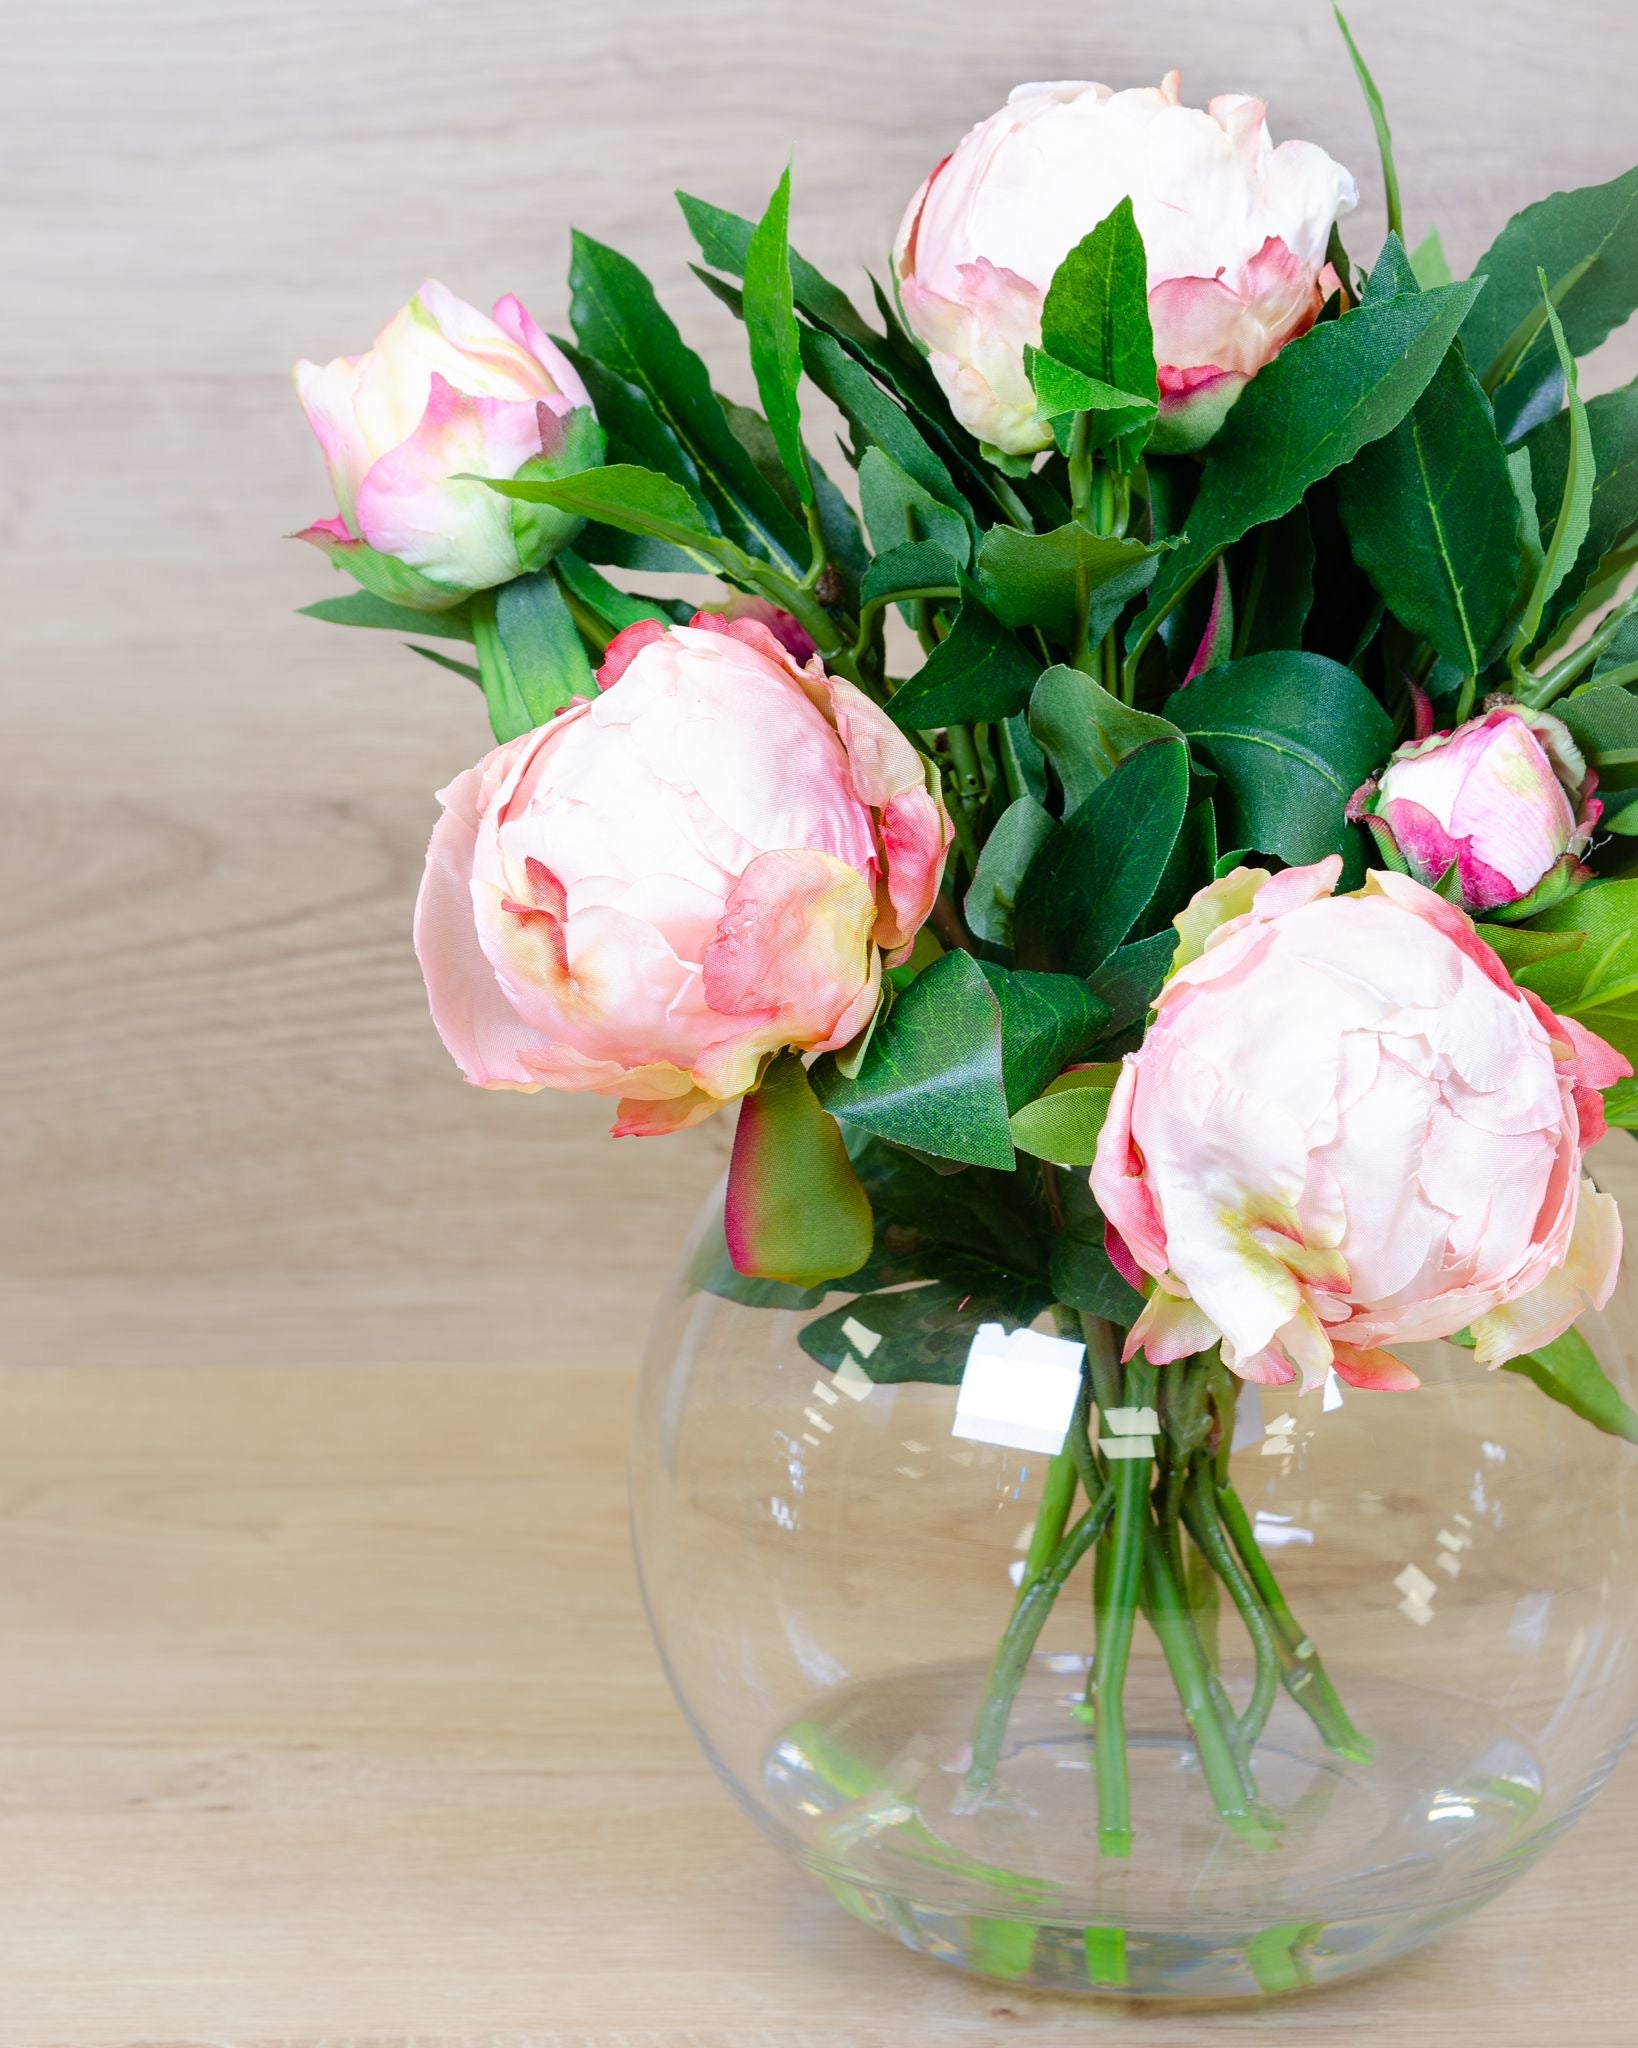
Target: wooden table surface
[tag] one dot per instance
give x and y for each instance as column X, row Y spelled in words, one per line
column 324, row 1702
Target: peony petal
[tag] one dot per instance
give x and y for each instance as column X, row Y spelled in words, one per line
column 792, row 952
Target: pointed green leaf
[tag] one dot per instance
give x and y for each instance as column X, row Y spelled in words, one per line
column 1131, row 978
column 1612, row 512
column 1046, row 1021
column 1430, row 263
column 898, row 509
column 920, row 568
column 464, row 669
column 980, row 673
column 1063, row 1124
column 922, row 1333
column 531, row 659
column 1291, row 736
column 933, row 1076
column 1587, row 241
column 1597, row 983
column 1096, row 314
column 795, row 1210
column 1562, row 543
column 635, row 500
column 1279, row 592
column 1379, row 121
column 605, row 609
column 1085, row 732
column 1020, row 832
column 1035, row 579
column 1568, row 1370
column 364, row 608
column 1621, row 1106
column 770, row 324
column 1094, row 878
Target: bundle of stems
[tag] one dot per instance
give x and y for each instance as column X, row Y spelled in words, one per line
column 1167, row 1535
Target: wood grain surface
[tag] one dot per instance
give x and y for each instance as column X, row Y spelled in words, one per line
column 323, row 1696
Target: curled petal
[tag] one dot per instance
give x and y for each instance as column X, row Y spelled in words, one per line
column 793, row 948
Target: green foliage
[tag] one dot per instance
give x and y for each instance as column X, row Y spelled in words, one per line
column 981, row 672
column 1292, row 736
column 1597, row 982
column 1562, row 542
column 1431, row 512
column 1085, row 732
column 531, row 659
column 1036, row 579
column 795, row 1210
column 1063, row 1123
column 1587, row 242
column 1568, row 1370
column 1096, row 315
column 770, row 323
column 1379, row 121
column 364, row 608
column 1020, row 832
column 1612, row 506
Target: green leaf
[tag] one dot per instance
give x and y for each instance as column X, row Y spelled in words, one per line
column 897, row 509
column 1431, row 513
column 1292, row 736
column 1562, row 544
column 1046, row 1021
column 979, row 674
column 770, row 324
column 922, row 1333
column 1063, row 1124
column 609, row 610
column 1597, row 983
column 635, row 500
column 1082, row 1276
column 876, row 420
column 1034, row 579
column 795, row 1210
column 531, row 659
column 1096, row 315
column 364, row 608
column 1604, row 724
column 1379, row 121
column 619, row 320
column 1279, row 591
column 712, row 1271
column 1612, row 511
column 464, row 669
column 1131, row 978
column 919, row 568
column 1621, row 1106
column 1085, row 732
column 845, row 546
column 1325, row 396
column 1430, row 263
column 1061, row 392
column 932, row 1077
column 1520, row 948
column 1093, row 879
column 1020, row 832
column 1587, row 241
column 1568, row 1370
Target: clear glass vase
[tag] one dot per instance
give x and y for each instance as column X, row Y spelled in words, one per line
column 828, row 1570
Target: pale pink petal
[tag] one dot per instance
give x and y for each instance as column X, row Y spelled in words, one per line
column 793, row 949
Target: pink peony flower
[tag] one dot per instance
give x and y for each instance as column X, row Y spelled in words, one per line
column 1236, row 233
column 1346, row 1129
column 706, row 863
column 1506, row 800
column 444, row 392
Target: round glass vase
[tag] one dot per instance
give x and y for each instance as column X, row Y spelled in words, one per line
column 828, row 1566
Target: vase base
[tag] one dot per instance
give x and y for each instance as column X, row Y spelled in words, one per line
column 870, row 1790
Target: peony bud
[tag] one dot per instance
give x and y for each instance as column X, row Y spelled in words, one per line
column 1504, row 805
column 446, row 395
column 653, row 893
column 1346, row 1128
column 1236, row 233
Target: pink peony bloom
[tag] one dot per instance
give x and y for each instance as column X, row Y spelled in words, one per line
column 1505, row 800
column 444, row 392
column 1235, row 230
column 706, row 863
column 1347, row 1129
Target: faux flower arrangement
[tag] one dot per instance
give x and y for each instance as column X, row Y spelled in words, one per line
column 1208, row 938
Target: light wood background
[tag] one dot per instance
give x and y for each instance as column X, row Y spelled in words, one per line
column 293, row 1738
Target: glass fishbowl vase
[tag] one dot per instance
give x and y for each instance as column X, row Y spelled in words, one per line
column 830, row 1565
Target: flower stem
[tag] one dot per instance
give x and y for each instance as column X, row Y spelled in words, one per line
column 1116, row 1619
column 1301, row 1671
column 1200, row 1511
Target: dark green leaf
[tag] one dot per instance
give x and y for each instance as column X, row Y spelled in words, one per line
column 1604, row 724
column 1431, row 513
column 1621, row 1106
column 1096, row 314
column 620, row 321
column 875, row 419
column 1082, row 1276
column 922, row 1333
column 770, row 324
column 918, row 568
column 635, row 500
column 1046, row 1021
column 364, row 608
column 980, row 673
column 795, row 1210
column 1598, row 983
column 845, row 545
column 1292, row 736
column 1587, row 241
column 636, row 433
column 1279, row 589
column 1020, row 832
column 1035, row 579
column 898, row 509
column 1562, row 542
column 1430, row 263
column 1093, row 879
column 1343, row 385
column 1062, row 392
column 1085, row 732
column 1612, row 428
column 602, row 606
column 933, row 1077
column 531, row 659
column 1519, row 948
column 1131, row 978
column 1568, row 1370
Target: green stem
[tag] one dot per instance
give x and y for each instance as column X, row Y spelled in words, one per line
column 819, row 555
column 1163, row 1604
column 1464, row 699
column 1301, row 1671
column 1576, row 663
column 1201, row 1513
column 1116, row 1619
column 1018, row 1643
column 1081, row 466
